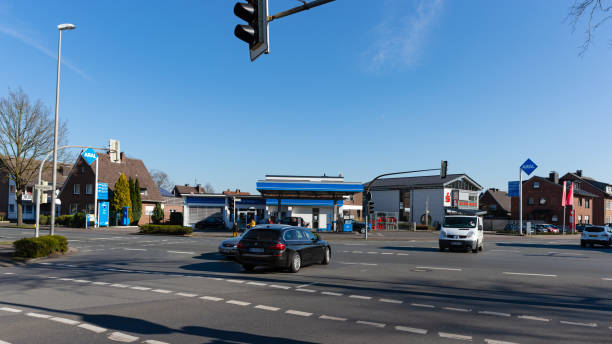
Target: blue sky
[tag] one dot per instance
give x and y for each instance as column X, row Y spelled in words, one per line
column 353, row 87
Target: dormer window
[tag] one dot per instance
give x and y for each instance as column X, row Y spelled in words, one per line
column 536, row 185
column 609, row 189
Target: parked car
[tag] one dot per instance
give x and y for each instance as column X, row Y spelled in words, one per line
column 293, row 221
column 227, row 247
column 357, row 226
column 596, row 235
column 281, row 246
column 213, row 222
column 550, row 228
column 580, row 228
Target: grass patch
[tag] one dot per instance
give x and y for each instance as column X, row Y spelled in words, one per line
column 41, row 246
column 165, row 229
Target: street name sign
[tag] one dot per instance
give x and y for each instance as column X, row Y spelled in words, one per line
column 528, row 166
column 89, row 155
column 43, row 187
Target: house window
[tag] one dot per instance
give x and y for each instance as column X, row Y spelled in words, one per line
column 73, row 208
column 555, row 218
column 27, row 209
column 90, row 208
column 586, row 203
column 88, row 189
column 76, row 189
column 580, row 202
column 542, row 200
column 493, row 207
column 530, row 201
column 579, row 218
column 536, row 185
column 11, row 208
column 609, row 205
column 609, row 189
column 143, row 191
column 149, row 210
column 586, row 219
column 12, row 189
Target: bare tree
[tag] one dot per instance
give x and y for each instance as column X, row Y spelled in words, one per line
column 26, row 135
column 162, row 180
column 595, row 12
column 208, row 188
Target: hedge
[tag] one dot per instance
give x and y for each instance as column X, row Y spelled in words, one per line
column 41, row 246
column 176, row 218
column 165, row 229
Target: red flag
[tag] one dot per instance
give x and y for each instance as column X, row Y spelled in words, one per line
column 563, row 199
column 570, row 196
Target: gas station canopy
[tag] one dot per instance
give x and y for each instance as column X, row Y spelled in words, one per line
column 297, row 187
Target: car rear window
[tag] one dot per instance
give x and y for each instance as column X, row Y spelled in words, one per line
column 262, row 235
column 594, row 229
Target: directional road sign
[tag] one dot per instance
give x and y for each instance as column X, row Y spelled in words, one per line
column 89, row 155
column 513, row 189
column 528, row 166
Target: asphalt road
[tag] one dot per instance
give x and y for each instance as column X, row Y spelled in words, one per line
column 124, row 287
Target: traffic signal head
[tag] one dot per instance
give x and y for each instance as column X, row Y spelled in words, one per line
column 255, row 32
column 443, row 168
column 371, row 206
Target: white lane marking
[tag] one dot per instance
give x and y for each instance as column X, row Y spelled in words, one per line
column 300, row 313
column 348, row 263
column 38, row 315
column 499, row 314
column 45, row 263
column 211, row 298
column 357, row 251
column 181, row 252
column 329, row 317
column 93, row 328
column 279, row 286
column 403, row 254
column 529, row 317
column 500, row 250
column 66, row 279
column 65, row 321
column 372, row 252
column 119, row 285
column 369, row 264
column 3, row 342
column 162, row 291
column 493, row 341
column 387, row 253
column 122, row 337
column 391, row 301
column 134, row 249
column 606, row 278
column 457, row 309
column 306, row 290
column 151, row 341
column 235, row 280
column 52, row 277
column 140, row 288
column 578, row 323
column 267, row 308
column 361, row 297
column 422, row 305
column 9, row 273
column 187, row 294
column 11, row 310
column 81, row 281
column 257, row 283
column 306, row 285
column 369, row 323
column 331, row 293
column 411, row 329
column 454, row 336
column 528, row 274
column 238, row 303
column 438, row 268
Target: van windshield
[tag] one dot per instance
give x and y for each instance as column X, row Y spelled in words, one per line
column 460, row 222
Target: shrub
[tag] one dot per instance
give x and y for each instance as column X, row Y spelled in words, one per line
column 158, row 214
column 165, row 229
column 41, row 246
column 63, row 220
column 78, row 221
column 176, row 218
column 44, row 219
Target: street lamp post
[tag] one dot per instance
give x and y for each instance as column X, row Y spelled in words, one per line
column 61, row 28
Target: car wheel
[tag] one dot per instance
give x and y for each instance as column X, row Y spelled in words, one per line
column 582, row 244
column 475, row 248
column 608, row 244
column 481, row 247
column 248, row 267
column 296, row 263
column 441, row 249
column 326, row 256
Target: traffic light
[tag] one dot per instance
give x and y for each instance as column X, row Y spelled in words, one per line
column 230, row 207
column 443, row 168
column 255, row 13
column 371, row 206
column 369, row 203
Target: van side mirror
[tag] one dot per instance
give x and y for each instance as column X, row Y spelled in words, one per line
column 479, row 227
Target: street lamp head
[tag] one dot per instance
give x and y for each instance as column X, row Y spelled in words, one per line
column 66, row 27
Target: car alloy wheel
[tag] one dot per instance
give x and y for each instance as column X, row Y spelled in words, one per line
column 327, row 257
column 296, row 262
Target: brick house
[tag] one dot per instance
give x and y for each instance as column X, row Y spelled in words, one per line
column 542, row 202
column 602, row 205
column 77, row 194
column 496, row 203
column 171, row 204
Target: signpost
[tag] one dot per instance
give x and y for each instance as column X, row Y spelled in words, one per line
column 90, row 156
column 528, row 167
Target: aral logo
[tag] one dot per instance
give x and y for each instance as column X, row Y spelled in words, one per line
column 89, row 155
column 528, row 166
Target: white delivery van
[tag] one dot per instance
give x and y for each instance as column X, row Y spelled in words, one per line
column 461, row 232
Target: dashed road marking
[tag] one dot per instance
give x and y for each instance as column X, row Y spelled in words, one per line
column 360, row 297
column 119, row 285
column 329, row 317
column 257, row 284
column 122, row 337
column 140, row 288
column 9, row 273
column 3, row 342
column 411, row 329
column 457, row 309
column 211, row 298
column 454, row 336
column 391, row 301
column 578, row 323
column 369, row 323
column 38, row 315
column 134, row 249
column 267, row 308
column 238, row 303
column 65, row 321
column 187, row 294
column 81, row 281
column 162, row 291
column 235, row 280
column 438, row 268
column 422, row 305
column 331, row 293
column 372, row 252
column 279, row 286
column 11, row 310
column 493, row 341
column 181, row 252
column 529, row 317
column 528, row 274
column 403, row 254
column 66, row 279
column 151, row 341
column 92, row 328
column 300, row 313
column 499, row 314
column 387, row 253
column 606, row 278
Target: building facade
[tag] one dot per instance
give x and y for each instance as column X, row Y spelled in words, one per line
column 602, row 204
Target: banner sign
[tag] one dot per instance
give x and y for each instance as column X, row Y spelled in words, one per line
column 513, row 189
column 103, row 214
column 103, row 191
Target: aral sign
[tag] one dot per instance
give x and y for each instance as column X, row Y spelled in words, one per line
column 89, row 155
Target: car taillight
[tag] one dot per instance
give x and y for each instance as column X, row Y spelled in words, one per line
column 240, row 245
column 278, row 246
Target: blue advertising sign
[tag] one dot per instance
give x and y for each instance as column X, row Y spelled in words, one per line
column 103, row 214
column 528, row 166
column 89, row 155
column 103, row 191
column 513, row 189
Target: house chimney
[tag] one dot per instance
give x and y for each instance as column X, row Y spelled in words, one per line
column 554, row 177
column 121, row 156
column 579, row 173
